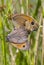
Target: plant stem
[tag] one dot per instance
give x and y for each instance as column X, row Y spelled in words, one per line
column 22, row 10
column 27, row 6
column 12, row 56
column 37, row 7
column 37, row 38
column 4, row 45
column 42, row 62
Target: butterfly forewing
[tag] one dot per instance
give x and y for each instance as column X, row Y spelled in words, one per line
column 25, row 21
column 19, row 20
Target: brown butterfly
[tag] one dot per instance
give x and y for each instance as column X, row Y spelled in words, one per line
column 19, row 36
column 22, row 20
column 19, row 39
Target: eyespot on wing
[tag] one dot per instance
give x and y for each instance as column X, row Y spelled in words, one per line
column 31, row 22
column 24, row 46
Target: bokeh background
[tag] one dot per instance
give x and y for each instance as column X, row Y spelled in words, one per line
column 9, row 55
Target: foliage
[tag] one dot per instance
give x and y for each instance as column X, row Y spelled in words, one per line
column 9, row 54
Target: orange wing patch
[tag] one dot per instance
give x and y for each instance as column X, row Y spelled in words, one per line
column 27, row 17
column 25, row 21
column 22, row 46
column 19, row 45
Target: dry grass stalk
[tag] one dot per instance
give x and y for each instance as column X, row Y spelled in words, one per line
column 42, row 62
column 22, row 10
column 27, row 6
column 37, row 38
column 12, row 56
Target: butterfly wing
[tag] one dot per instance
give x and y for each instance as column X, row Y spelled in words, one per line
column 24, row 46
column 28, row 22
column 18, row 21
column 18, row 36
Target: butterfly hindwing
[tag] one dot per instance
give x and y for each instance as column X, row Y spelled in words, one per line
column 24, row 46
column 18, row 36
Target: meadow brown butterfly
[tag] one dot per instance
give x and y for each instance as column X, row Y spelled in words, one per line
column 23, row 26
column 19, row 39
column 27, row 22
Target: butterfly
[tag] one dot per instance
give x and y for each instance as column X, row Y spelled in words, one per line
column 25, row 21
column 19, row 38
column 23, row 26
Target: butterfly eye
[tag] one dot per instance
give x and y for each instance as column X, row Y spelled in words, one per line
column 32, row 23
column 23, row 45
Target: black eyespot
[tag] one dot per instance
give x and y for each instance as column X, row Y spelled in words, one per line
column 24, row 24
column 23, row 45
column 32, row 23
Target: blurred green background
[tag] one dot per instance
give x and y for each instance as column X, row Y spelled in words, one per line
column 9, row 55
